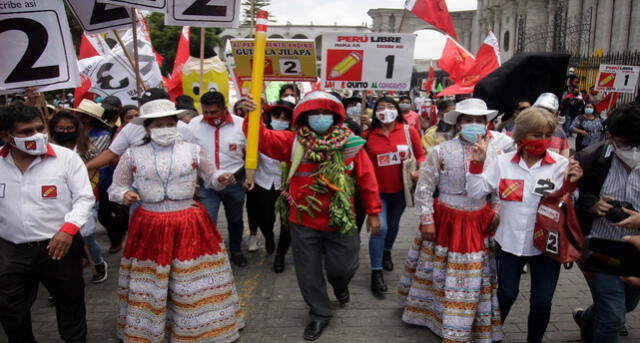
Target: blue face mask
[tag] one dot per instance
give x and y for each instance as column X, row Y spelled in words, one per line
column 320, row 123
column 279, row 124
column 353, row 112
column 470, row 132
column 588, row 110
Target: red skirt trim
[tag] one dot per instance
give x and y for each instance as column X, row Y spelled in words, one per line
column 462, row 231
column 164, row 236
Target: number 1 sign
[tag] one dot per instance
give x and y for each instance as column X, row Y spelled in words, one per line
column 376, row 61
column 37, row 47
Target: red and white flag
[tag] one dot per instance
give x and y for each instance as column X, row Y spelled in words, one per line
column 174, row 84
column 455, row 60
column 434, row 12
column 431, row 78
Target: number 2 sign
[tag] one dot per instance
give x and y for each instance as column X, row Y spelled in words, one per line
column 41, row 53
column 96, row 17
column 203, row 13
column 150, row 5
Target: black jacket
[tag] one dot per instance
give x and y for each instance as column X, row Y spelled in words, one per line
column 595, row 168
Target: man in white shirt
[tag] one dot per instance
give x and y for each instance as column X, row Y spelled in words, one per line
column 45, row 197
column 220, row 135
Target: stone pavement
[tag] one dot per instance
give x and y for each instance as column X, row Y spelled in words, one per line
column 277, row 313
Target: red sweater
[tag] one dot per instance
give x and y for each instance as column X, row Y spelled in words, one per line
column 279, row 145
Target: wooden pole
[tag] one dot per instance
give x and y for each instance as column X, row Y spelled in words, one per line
column 404, row 14
column 129, row 58
column 202, row 35
column 136, row 68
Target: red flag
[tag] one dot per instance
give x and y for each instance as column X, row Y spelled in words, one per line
column 86, row 50
column 434, row 12
column 607, row 103
column 182, row 55
column 487, row 60
column 431, row 78
column 455, row 60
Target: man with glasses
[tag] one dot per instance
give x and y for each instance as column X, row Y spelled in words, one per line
column 508, row 124
column 611, row 172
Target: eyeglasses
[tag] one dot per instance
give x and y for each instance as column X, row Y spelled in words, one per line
column 626, row 147
column 64, row 129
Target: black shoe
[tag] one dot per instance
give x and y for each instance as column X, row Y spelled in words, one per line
column 342, row 295
column 270, row 245
column 387, row 264
column 101, row 273
column 378, row 287
column 278, row 263
column 585, row 332
column 623, row 332
column 314, row 329
column 238, row 259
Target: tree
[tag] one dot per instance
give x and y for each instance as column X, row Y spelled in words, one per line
column 257, row 5
column 165, row 39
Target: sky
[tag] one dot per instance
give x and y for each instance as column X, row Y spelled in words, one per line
column 429, row 44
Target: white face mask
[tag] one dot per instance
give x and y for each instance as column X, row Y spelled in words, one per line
column 164, row 135
column 290, row 99
column 34, row 145
column 630, row 157
column 387, row 116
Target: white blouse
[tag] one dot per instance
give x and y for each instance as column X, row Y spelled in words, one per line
column 164, row 176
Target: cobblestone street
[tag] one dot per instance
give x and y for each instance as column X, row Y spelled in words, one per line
column 276, row 312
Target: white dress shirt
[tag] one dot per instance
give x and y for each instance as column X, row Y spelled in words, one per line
column 268, row 173
column 515, row 184
column 133, row 135
column 224, row 145
column 54, row 190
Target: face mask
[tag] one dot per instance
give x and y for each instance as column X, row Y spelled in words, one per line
column 471, row 131
column 213, row 121
column 164, row 136
column 279, row 124
column 535, row 147
column 354, row 112
column 387, row 116
column 35, row 145
column 630, row 157
column 320, row 123
column 64, row 137
column 404, row 107
column 289, row 98
column 588, row 110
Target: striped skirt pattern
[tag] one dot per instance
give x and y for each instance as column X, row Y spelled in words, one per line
column 450, row 285
column 175, row 281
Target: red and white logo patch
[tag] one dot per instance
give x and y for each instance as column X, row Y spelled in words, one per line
column 511, row 190
column 30, row 145
column 49, row 192
column 233, row 147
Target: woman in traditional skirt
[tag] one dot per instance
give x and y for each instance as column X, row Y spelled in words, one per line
column 449, row 282
column 175, row 280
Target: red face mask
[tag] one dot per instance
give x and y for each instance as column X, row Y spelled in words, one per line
column 213, row 121
column 535, row 147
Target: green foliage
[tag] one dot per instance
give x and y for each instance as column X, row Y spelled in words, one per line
column 257, row 5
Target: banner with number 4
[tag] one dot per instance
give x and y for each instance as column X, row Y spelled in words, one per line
column 37, row 47
column 203, row 13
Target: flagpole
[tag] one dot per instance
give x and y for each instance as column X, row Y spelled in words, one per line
column 136, row 67
column 128, row 56
column 404, row 14
column 202, row 35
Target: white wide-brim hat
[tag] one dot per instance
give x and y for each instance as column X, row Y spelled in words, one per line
column 156, row 109
column 472, row 107
column 91, row 109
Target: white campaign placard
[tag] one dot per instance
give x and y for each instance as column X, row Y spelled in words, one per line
column 617, row 78
column 375, row 61
column 150, row 5
column 37, row 50
column 96, row 17
column 203, row 13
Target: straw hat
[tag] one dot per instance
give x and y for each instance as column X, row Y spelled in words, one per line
column 156, row 109
column 472, row 107
column 91, row 109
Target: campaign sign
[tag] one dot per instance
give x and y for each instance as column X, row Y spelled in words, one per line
column 37, row 47
column 96, row 17
column 203, row 13
column 367, row 61
column 285, row 60
column 617, row 78
column 150, row 5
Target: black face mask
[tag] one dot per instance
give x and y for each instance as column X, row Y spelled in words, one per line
column 64, row 137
